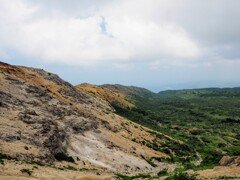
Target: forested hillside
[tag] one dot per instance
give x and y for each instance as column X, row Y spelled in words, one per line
column 206, row 120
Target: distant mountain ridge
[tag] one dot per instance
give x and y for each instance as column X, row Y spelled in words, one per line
column 127, row 90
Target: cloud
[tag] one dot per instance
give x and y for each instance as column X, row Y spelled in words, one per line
column 81, row 32
column 55, row 36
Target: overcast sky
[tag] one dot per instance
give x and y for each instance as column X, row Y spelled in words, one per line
column 157, row 44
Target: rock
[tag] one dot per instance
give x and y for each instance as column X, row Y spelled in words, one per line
column 2, row 104
column 228, row 161
column 82, row 125
column 55, row 141
column 39, row 92
column 31, row 112
column 13, row 80
column 9, row 100
column 9, row 137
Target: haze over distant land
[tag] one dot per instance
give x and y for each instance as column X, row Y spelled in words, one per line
column 172, row 45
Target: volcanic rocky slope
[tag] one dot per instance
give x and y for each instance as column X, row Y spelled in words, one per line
column 107, row 94
column 43, row 116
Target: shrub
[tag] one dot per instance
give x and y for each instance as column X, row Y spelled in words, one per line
column 34, row 167
column 211, row 156
column 233, row 150
column 123, row 177
column 149, row 161
column 163, row 172
column 189, row 165
column 29, row 172
column 138, row 176
column 4, row 156
column 182, row 176
column 70, row 168
column 36, row 162
column 63, row 157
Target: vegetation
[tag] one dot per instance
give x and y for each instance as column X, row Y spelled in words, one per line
column 149, row 162
column 206, row 121
column 228, row 177
column 28, row 171
column 63, row 157
column 71, row 168
column 163, row 172
column 139, row 176
column 35, row 162
column 3, row 157
column 181, row 176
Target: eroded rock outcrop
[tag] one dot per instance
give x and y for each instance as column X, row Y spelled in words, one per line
column 229, row 161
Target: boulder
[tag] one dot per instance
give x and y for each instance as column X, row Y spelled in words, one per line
column 227, row 161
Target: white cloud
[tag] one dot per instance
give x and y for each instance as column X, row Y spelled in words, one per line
column 151, row 39
column 131, row 34
column 74, row 41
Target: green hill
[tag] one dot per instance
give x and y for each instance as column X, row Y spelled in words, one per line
column 206, row 120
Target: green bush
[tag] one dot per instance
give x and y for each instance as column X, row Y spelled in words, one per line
column 4, row 156
column 36, row 162
column 189, row 166
column 163, row 172
column 211, row 156
column 138, row 176
column 70, row 168
column 233, row 150
column 182, row 176
column 149, row 162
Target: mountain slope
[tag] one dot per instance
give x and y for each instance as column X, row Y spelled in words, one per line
column 128, row 90
column 45, row 119
column 106, row 95
column 206, row 120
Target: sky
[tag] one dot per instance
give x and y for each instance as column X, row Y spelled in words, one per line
column 156, row 44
